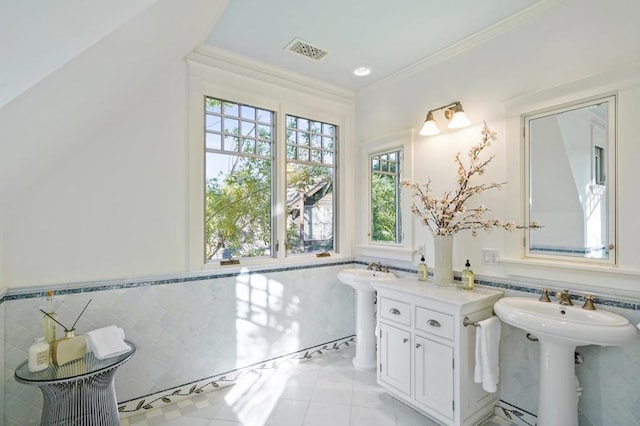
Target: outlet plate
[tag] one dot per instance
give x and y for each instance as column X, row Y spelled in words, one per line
column 490, row 257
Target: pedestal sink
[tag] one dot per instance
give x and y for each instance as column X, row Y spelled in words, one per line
column 559, row 330
column 360, row 280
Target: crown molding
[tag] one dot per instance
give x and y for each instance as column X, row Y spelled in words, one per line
column 223, row 59
column 467, row 43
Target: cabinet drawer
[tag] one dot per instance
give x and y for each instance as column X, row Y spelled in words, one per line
column 434, row 322
column 395, row 311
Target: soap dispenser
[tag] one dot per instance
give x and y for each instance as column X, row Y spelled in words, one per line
column 467, row 277
column 423, row 270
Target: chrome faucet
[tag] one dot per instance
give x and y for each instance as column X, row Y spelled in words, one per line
column 564, row 298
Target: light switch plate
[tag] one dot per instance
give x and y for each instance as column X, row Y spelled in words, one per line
column 490, row 257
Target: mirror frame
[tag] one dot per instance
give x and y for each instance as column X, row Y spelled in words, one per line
column 611, row 160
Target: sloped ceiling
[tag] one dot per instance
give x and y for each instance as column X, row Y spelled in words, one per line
column 40, row 36
column 83, row 86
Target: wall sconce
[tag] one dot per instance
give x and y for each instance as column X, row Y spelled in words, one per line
column 452, row 112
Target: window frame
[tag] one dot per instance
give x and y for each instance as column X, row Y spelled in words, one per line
column 335, row 152
column 202, row 87
column 405, row 251
column 399, row 237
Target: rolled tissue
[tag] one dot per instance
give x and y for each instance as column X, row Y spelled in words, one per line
column 107, row 342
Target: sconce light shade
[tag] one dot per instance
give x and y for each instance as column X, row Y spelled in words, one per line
column 459, row 118
column 452, row 112
column 430, row 127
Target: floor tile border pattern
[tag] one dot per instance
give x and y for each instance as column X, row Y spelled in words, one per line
column 188, row 390
column 515, row 414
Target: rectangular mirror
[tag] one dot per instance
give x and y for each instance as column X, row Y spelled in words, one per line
column 570, row 181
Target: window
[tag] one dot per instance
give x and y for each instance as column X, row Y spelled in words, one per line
column 238, row 180
column 242, row 189
column 386, row 226
column 311, row 169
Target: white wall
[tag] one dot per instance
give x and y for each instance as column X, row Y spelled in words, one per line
column 540, row 62
column 94, row 177
column 115, row 207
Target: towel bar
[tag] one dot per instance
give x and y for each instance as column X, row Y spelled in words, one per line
column 467, row 322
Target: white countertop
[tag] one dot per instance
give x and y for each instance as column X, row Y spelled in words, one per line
column 453, row 295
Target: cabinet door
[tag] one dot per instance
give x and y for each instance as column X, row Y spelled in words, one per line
column 394, row 346
column 434, row 375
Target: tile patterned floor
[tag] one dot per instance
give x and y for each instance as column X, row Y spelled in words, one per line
column 324, row 391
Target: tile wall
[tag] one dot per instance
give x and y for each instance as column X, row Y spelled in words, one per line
column 191, row 327
column 2, row 363
column 187, row 328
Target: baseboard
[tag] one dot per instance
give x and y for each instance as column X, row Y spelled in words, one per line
column 136, row 406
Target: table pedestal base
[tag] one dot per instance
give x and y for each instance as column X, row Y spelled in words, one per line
column 85, row 402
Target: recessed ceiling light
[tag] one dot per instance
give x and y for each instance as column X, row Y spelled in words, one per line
column 362, row 71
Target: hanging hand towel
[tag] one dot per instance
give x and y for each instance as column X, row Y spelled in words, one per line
column 487, row 369
column 107, row 342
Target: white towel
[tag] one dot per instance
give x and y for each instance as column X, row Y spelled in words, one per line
column 487, row 369
column 107, row 342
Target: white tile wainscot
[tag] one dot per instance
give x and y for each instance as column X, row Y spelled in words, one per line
column 426, row 355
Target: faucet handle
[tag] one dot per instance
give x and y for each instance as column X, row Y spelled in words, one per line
column 588, row 303
column 564, row 298
column 545, row 296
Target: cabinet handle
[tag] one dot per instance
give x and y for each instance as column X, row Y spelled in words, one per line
column 394, row 311
column 405, row 340
column 433, row 323
column 418, row 345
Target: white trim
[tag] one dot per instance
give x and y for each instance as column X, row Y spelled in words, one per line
column 215, row 57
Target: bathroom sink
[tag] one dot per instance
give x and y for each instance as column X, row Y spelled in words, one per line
column 360, row 279
column 560, row 329
column 565, row 324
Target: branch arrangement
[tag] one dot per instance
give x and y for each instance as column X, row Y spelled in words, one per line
column 449, row 213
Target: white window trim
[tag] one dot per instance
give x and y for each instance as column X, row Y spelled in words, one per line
column 269, row 97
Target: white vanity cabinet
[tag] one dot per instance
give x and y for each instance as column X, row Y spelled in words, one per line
column 426, row 356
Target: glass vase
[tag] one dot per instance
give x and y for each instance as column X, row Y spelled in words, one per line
column 443, row 260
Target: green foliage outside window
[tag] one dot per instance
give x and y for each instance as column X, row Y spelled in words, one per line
column 385, row 198
column 239, row 185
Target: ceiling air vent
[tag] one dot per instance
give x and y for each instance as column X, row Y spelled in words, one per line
column 305, row 49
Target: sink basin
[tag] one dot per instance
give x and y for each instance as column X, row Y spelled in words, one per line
column 568, row 324
column 559, row 330
column 360, row 279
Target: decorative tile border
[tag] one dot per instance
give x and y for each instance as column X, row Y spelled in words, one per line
column 170, row 396
column 514, row 414
column 77, row 288
column 523, row 287
column 89, row 287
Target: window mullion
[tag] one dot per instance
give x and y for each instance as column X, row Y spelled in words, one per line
column 280, row 190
